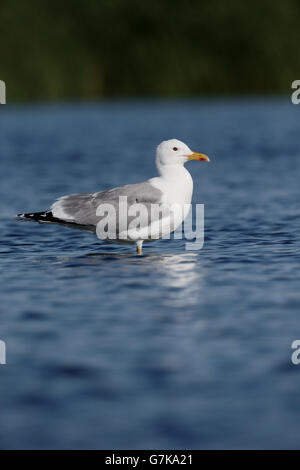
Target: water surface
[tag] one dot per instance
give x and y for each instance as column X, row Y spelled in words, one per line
column 174, row 349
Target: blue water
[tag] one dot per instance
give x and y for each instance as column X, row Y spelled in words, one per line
column 174, row 349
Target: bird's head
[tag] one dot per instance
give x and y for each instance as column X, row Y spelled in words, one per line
column 175, row 152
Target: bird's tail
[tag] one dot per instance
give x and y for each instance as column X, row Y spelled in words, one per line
column 48, row 218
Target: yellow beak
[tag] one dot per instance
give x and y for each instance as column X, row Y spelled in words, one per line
column 198, row 156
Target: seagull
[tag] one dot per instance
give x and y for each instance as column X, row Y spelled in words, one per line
column 112, row 214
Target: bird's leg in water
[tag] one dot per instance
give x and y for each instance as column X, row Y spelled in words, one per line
column 139, row 245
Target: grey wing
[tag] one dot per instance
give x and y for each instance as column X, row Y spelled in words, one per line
column 82, row 208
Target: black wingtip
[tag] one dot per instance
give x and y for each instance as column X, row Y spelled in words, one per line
column 37, row 216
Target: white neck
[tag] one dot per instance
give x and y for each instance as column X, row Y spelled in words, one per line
column 177, row 183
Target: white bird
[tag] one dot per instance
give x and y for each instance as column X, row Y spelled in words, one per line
column 112, row 214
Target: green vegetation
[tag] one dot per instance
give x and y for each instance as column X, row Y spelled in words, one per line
column 90, row 49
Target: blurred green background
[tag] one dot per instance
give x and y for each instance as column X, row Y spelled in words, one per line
column 93, row 49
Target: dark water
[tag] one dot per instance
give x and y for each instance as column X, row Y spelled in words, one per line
column 173, row 349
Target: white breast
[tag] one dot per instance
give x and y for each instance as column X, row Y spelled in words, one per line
column 176, row 185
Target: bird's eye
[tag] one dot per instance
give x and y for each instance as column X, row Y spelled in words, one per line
column 175, row 149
